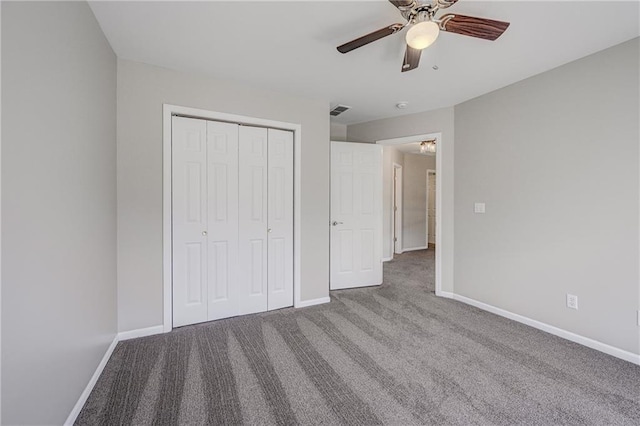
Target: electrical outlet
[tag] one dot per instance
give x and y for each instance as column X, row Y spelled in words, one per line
column 479, row 208
column 572, row 301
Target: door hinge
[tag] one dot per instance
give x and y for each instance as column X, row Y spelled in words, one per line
column 395, row 240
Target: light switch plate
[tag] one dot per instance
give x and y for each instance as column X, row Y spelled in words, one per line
column 478, row 208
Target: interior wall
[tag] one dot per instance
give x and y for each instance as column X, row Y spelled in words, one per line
column 556, row 160
column 142, row 90
column 437, row 121
column 58, row 207
column 414, row 225
column 390, row 155
column 338, row 132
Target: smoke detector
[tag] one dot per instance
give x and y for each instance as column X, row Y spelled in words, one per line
column 402, row 105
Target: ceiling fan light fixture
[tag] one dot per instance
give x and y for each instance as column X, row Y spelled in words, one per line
column 422, row 35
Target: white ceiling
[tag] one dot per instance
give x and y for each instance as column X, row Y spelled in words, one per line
column 291, row 47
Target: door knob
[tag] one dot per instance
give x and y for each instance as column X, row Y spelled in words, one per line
column 336, row 223
column 204, row 233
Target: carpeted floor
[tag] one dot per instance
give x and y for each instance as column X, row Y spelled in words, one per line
column 393, row 354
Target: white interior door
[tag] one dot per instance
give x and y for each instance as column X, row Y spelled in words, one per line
column 280, row 219
column 189, row 175
column 356, row 215
column 253, row 157
column 222, row 194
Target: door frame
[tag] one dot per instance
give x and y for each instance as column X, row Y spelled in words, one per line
column 397, row 229
column 168, row 111
column 427, row 205
column 418, row 138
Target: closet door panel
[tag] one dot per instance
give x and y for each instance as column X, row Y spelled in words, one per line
column 222, row 166
column 189, row 204
column 280, row 219
column 253, row 224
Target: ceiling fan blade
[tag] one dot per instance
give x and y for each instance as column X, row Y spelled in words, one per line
column 487, row 29
column 403, row 4
column 371, row 37
column 411, row 59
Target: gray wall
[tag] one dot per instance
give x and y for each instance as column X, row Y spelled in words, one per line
column 338, row 132
column 414, row 225
column 555, row 158
column 440, row 120
column 58, row 207
column 142, row 89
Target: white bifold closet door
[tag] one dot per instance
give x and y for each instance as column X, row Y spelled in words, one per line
column 253, row 217
column 280, row 213
column 232, row 192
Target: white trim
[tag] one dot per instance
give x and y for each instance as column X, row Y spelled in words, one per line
column 387, row 259
column 407, row 139
column 140, row 332
column 92, row 382
column 439, row 180
column 313, row 302
column 427, row 205
column 167, row 308
column 445, row 294
column 585, row 341
column 397, row 216
column 169, row 110
column 297, row 214
column 441, row 176
column 0, row 222
column 415, row 248
column 124, row 335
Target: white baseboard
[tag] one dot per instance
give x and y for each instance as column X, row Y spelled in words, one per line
column 125, row 335
column 445, row 294
column 387, row 259
column 92, row 382
column 414, row 248
column 141, row 332
column 585, row 341
column 312, row 302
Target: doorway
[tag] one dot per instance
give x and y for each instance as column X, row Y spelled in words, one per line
column 420, row 230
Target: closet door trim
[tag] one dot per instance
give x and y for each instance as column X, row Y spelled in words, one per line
column 172, row 110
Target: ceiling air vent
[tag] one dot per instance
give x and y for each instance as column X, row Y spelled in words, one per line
column 339, row 110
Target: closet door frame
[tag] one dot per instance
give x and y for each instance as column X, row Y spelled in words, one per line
column 168, row 111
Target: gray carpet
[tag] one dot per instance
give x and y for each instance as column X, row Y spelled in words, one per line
column 393, row 354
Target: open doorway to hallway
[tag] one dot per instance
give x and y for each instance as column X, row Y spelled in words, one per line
column 410, row 200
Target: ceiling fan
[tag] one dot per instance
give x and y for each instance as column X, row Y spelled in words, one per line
column 425, row 27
